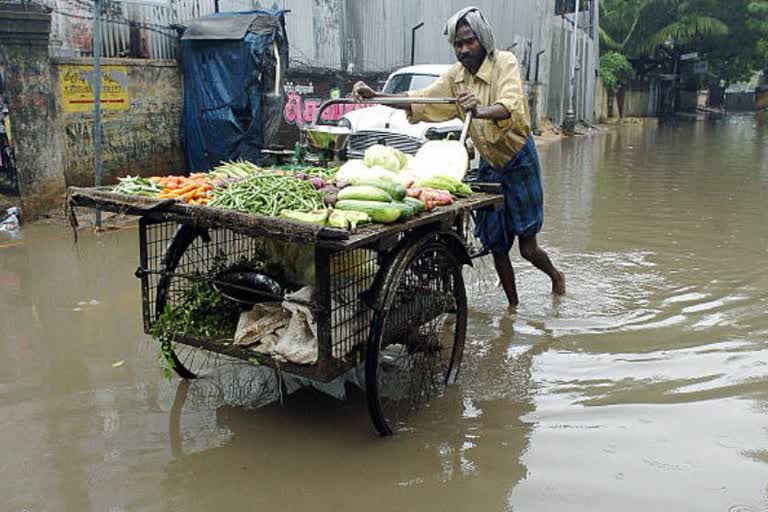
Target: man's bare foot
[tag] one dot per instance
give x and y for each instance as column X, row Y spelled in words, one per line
column 558, row 285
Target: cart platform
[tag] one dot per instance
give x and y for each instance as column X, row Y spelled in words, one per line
column 486, row 195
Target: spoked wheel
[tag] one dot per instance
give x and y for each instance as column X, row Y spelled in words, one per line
column 190, row 249
column 417, row 336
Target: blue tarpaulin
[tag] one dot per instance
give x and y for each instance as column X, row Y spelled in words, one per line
column 230, row 107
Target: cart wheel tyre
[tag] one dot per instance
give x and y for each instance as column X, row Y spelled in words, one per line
column 416, row 340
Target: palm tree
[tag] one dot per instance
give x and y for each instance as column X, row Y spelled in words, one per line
column 637, row 28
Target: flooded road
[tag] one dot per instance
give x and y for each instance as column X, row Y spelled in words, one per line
column 645, row 388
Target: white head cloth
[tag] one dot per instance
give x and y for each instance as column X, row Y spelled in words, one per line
column 477, row 23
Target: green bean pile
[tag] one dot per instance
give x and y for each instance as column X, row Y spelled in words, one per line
column 268, row 194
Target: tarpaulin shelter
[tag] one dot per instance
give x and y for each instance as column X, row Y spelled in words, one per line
column 232, row 65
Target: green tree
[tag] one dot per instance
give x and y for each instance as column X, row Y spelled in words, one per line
column 615, row 71
column 736, row 56
column 638, row 28
column 731, row 35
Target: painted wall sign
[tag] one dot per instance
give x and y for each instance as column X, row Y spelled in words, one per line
column 305, row 91
column 77, row 88
column 302, row 101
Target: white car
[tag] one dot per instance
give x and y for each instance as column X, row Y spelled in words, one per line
column 385, row 125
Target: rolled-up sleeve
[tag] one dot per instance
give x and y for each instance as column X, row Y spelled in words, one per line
column 510, row 95
column 440, row 88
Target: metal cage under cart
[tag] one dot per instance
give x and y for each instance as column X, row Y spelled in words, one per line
column 390, row 298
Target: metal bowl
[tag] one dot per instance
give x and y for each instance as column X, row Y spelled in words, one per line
column 326, row 137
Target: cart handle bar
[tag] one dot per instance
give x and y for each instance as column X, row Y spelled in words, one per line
column 381, row 101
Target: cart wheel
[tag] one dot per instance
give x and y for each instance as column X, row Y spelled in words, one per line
column 417, row 335
column 189, row 244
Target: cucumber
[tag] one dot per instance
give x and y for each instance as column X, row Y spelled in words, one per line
column 396, row 190
column 406, row 210
column 364, row 193
column 381, row 212
column 414, row 203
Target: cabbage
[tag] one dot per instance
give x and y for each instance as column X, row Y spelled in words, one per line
column 357, row 169
column 384, row 156
column 403, row 159
column 441, row 157
column 382, row 174
column 351, row 169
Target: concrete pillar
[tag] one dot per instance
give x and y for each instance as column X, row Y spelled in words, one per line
column 24, row 64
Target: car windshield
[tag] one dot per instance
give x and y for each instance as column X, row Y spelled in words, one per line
column 408, row 82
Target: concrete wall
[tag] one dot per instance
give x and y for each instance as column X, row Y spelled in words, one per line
column 636, row 103
column 690, row 101
column 142, row 139
column 601, row 102
column 743, row 101
column 26, row 76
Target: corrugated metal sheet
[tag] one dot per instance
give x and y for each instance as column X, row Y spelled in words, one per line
column 185, row 10
column 381, row 29
column 147, row 22
column 561, row 40
column 358, row 36
column 314, row 32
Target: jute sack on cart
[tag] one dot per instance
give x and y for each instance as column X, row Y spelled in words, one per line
column 287, row 331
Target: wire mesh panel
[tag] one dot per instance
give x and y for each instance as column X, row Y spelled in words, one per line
column 352, row 274
column 188, row 254
column 174, row 258
column 153, row 239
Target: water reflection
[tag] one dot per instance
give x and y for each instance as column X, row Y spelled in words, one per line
column 642, row 389
column 473, row 438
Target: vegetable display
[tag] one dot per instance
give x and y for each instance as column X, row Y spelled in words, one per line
column 386, row 191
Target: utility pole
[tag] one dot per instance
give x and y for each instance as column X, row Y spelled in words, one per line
column 97, row 98
column 569, row 124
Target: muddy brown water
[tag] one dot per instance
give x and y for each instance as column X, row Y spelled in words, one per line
column 646, row 388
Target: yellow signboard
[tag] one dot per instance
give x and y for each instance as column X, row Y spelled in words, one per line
column 77, row 88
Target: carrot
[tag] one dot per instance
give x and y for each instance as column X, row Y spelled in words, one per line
column 188, row 195
column 184, row 190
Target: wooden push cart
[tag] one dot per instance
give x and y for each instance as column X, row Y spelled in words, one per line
column 391, row 298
